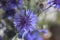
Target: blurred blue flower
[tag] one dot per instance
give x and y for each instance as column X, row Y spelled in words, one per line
column 15, row 2
column 55, row 3
column 9, row 6
column 10, row 10
column 34, row 35
column 20, row 2
column 25, row 20
column 5, row 4
column 44, row 31
column 9, row 13
column 0, row 38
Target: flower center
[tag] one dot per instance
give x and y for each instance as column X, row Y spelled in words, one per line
column 25, row 21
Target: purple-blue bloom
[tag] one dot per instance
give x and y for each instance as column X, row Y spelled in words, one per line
column 10, row 6
column 9, row 13
column 10, row 3
column 25, row 20
column 10, row 10
column 16, row 2
column 0, row 38
column 55, row 3
column 7, row 5
column 44, row 32
column 20, row 2
column 34, row 35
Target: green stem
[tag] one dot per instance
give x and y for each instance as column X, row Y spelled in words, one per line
column 28, row 4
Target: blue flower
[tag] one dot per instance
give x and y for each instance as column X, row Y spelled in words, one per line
column 34, row 35
column 9, row 13
column 13, row 1
column 5, row 4
column 25, row 20
column 16, row 2
column 44, row 31
column 0, row 38
column 10, row 10
column 55, row 3
column 9, row 6
column 20, row 2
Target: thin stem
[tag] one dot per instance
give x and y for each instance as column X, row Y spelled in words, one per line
column 24, row 34
column 46, row 8
column 28, row 4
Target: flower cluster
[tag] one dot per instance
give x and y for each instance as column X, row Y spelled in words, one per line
column 34, row 35
column 24, row 20
column 10, row 3
column 9, row 6
column 9, row 13
column 55, row 3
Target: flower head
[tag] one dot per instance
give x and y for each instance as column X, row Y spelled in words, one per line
column 55, row 3
column 25, row 19
column 16, row 2
column 34, row 35
column 5, row 4
column 9, row 13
